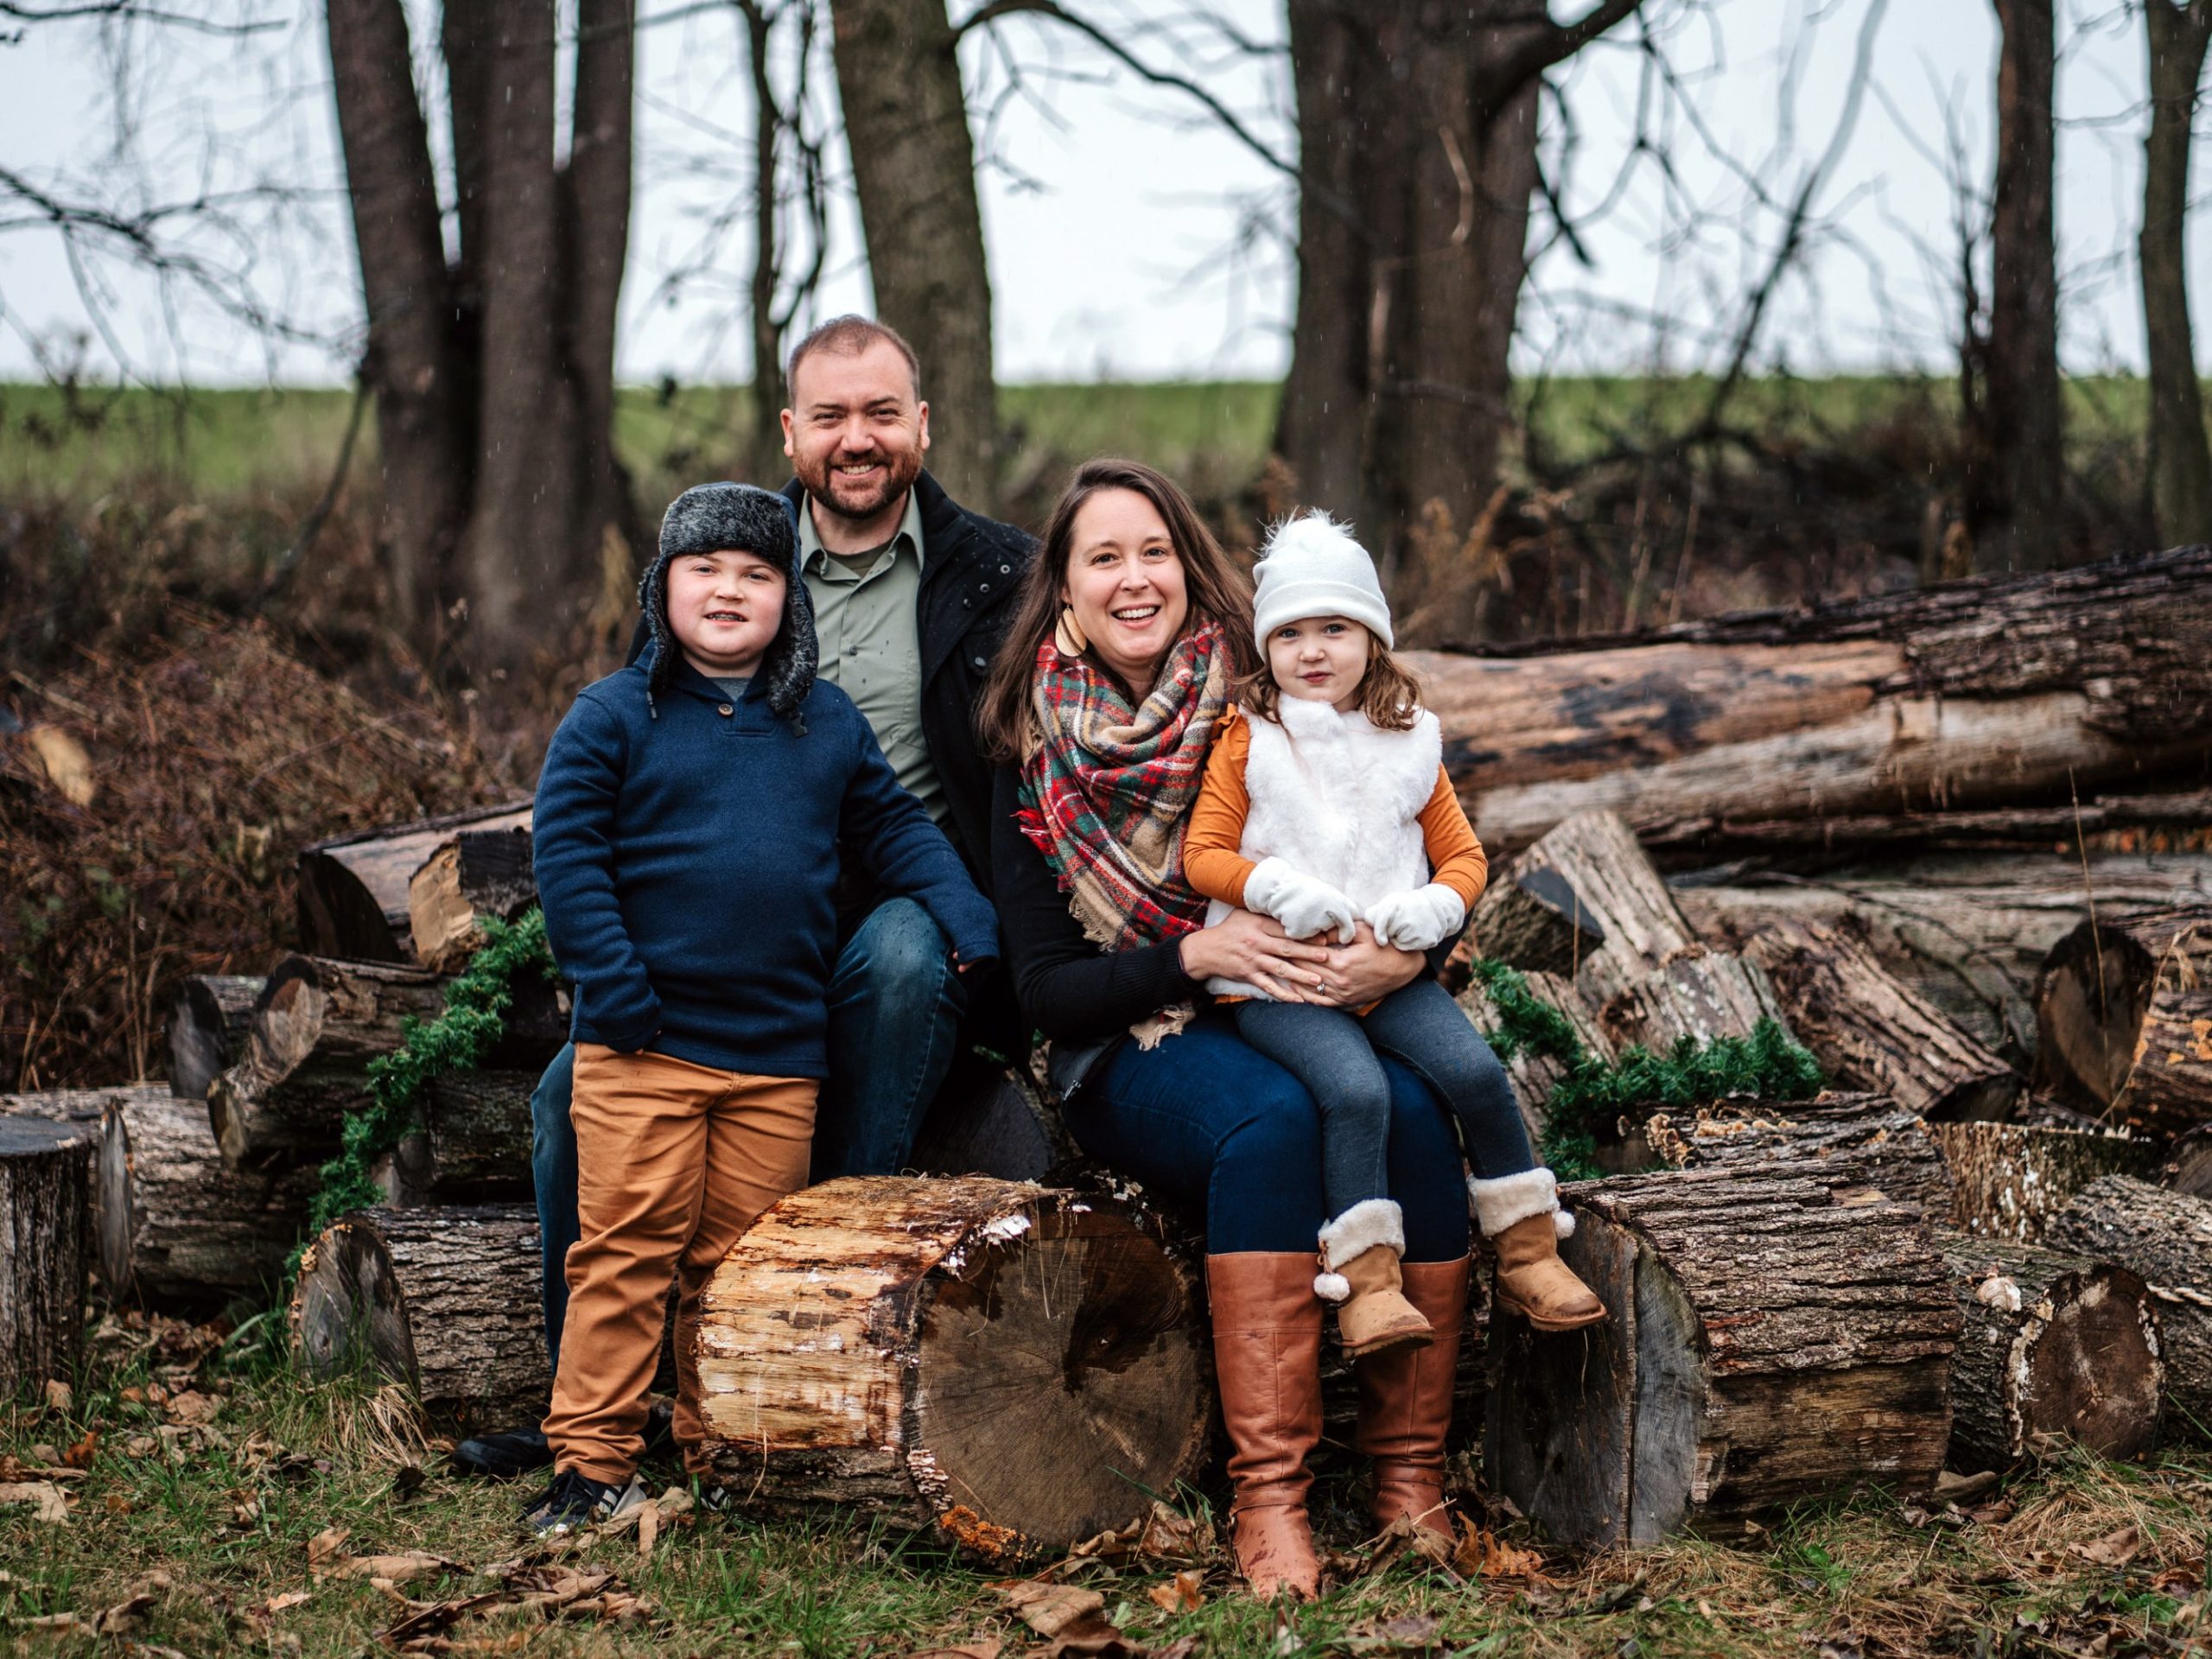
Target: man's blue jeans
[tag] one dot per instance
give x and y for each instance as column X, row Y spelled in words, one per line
column 895, row 1004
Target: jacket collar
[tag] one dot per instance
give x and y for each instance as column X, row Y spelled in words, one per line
column 685, row 677
column 947, row 529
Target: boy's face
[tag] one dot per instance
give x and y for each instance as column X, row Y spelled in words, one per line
column 724, row 609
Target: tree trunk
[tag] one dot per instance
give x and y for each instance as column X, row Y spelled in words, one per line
column 596, row 189
column 353, row 889
column 1875, row 1146
column 177, row 1227
column 1768, row 1345
column 2124, row 1018
column 2058, row 1350
column 208, row 1029
column 1870, row 1031
column 2189, row 1166
column 2016, row 467
column 1005, row 1364
column 2008, row 1179
column 914, row 170
column 445, row 1300
column 479, row 875
column 1977, row 693
column 2166, row 1239
column 2180, row 456
column 473, row 1146
column 46, row 1196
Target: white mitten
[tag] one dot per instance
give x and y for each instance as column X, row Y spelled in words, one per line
column 1303, row 906
column 1418, row 919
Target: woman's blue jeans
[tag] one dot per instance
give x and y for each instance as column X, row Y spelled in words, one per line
column 1208, row 1124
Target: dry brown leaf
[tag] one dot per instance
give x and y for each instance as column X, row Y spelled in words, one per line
column 1048, row 1609
column 395, row 1569
column 66, row 766
column 1411, row 1633
column 987, row 1648
column 1180, row 1594
column 79, row 1456
column 1170, row 1536
column 192, row 1408
column 245, row 1508
column 648, row 1529
column 58, row 1395
column 326, row 1549
column 2113, row 1550
column 52, row 1507
column 289, row 1599
column 1481, row 1555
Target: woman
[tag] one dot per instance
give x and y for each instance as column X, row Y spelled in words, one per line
column 1130, row 629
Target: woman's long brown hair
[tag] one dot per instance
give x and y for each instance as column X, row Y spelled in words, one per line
column 1218, row 591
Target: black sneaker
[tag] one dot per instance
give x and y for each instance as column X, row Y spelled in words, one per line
column 502, row 1457
column 575, row 1501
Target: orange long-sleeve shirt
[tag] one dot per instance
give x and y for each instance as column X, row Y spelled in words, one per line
column 1213, row 866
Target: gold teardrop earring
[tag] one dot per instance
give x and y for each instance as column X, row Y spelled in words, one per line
column 1068, row 635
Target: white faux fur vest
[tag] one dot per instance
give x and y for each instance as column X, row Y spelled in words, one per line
column 1338, row 799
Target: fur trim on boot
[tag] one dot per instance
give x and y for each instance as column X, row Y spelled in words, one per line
column 1360, row 1228
column 1359, row 1252
column 1511, row 1198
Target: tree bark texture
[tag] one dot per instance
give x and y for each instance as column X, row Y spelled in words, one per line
column 2026, row 827
column 914, row 170
column 477, row 875
column 2180, row 456
column 1768, row 1343
column 1870, row 1031
column 2167, row 1240
column 2188, row 1168
column 208, row 1029
column 1975, row 693
column 2058, row 1350
column 2008, row 1179
column 45, row 1197
column 1874, row 1146
column 445, row 1300
column 1011, row 1366
column 353, row 890
column 473, row 1146
column 2124, row 1020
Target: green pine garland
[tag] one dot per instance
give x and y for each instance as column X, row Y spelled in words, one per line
column 1767, row 1064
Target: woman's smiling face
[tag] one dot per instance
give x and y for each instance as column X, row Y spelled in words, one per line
column 1124, row 582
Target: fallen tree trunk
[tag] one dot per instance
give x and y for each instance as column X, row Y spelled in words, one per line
column 473, row 1146
column 2166, row 1239
column 45, row 1199
column 208, row 1029
column 177, row 1225
column 2188, row 1165
column 1965, row 696
column 1870, row 1031
column 1011, row 1366
column 1768, row 1343
column 477, row 875
column 1616, row 921
column 81, row 1107
column 2058, row 1350
column 443, row 1300
column 2008, row 1179
column 2026, row 827
column 2124, row 1020
column 1699, row 994
column 1874, row 1146
column 352, row 889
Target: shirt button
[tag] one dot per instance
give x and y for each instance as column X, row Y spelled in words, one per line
column 1005, row 570
column 979, row 663
column 982, row 587
column 725, row 709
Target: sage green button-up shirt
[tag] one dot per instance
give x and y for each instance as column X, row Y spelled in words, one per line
column 871, row 645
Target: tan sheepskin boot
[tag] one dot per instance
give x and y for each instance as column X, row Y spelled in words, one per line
column 1267, row 1357
column 1360, row 1251
column 1521, row 1217
column 1405, row 1403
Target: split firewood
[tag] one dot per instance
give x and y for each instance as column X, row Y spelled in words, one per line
column 2008, row 1179
column 46, row 1247
column 1011, row 1366
column 1870, row 1031
column 1697, row 993
column 2188, row 1164
column 208, row 1029
column 2124, row 1020
column 474, row 876
column 1769, row 1343
column 474, row 1145
column 2166, row 1239
column 352, row 889
column 1874, row 1146
column 2058, row 1350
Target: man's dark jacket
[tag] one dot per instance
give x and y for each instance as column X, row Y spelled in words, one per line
column 971, row 567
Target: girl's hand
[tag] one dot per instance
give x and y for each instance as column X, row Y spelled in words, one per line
column 1255, row 952
column 1365, row 971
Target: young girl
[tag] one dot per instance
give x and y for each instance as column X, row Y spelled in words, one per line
column 1326, row 804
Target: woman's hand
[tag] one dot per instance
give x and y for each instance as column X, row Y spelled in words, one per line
column 1255, row 952
column 1365, row 971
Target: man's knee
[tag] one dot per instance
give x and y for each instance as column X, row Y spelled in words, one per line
column 899, row 954
column 549, row 1125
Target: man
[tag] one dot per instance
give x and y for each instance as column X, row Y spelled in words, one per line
column 909, row 589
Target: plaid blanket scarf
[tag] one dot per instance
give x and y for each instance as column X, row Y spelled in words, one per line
column 1107, row 790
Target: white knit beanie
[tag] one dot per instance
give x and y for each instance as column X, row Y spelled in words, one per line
column 1311, row 567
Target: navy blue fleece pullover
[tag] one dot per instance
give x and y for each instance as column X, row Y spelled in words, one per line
column 685, row 863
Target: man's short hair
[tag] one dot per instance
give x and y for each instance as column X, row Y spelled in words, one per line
column 848, row 336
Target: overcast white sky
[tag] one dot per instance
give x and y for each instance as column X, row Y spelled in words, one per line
column 1130, row 238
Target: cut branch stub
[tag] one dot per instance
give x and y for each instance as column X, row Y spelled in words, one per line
column 1011, row 1365
column 2008, row 1179
column 1767, row 1343
column 1534, row 920
column 2124, row 1020
column 1617, row 899
column 352, row 889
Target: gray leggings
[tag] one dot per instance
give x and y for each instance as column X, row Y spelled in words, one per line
column 1331, row 1051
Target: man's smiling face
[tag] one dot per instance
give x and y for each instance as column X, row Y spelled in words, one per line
column 856, row 429
column 724, row 609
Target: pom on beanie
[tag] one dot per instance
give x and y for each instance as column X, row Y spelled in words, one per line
column 722, row 518
column 1313, row 567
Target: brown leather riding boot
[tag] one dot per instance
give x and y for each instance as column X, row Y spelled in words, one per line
column 1266, row 1355
column 1405, row 1401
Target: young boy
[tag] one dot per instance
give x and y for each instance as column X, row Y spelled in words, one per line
column 690, row 821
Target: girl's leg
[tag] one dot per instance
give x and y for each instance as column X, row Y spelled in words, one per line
column 1422, row 1027
column 1325, row 1050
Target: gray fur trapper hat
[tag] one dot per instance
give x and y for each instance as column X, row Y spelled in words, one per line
column 722, row 518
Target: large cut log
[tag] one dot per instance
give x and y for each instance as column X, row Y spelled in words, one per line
column 1969, row 932
column 1698, row 993
column 2028, row 827
column 2058, row 1350
column 2008, row 1179
column 81, row 1108
column 2124, row 1020
column 2188, row 1164
column 1768, row 1345
column 46, row 1200
column 1964, row 696
column 208, row 1029
column 1535, row 1074
column 2166, row 1239
column 478, row 875
column 1874, row 1146
column 1014, row 1366
column 474, row 1144
column 1870, row 1031
column 352, row 889
column 176, row 1224
column 445, row 1300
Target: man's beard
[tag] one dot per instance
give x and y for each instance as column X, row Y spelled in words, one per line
column 900, row 473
